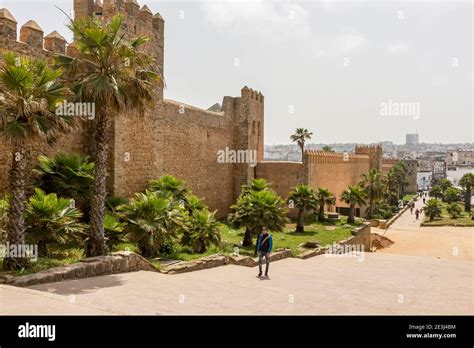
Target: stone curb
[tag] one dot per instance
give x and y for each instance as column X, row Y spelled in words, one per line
column 118, row 262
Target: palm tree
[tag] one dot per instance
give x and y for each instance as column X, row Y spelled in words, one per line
column 373, row 186
column 112, row 72
column 467, row 181
column 300, row 137
column 354, row 195
column 51, row 219
column 170, row 187
column 454, row 210
column 324, row 197
column 436, row 192
column 452, row 195
column 30, row 91
column 67, row 175
column 303, row 198
column 432, row 208
column 444, row 184
column 256, row 210
column 201, row 231
column 255, row 185
column 397, row 178
column 152, row 222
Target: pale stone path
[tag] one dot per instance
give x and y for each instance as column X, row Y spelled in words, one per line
column 454, row 243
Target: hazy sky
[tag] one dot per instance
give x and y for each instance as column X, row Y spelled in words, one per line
column 329, row 66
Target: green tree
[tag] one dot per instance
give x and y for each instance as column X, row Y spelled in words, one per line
column 303, row 198
column 67, row 175
column 467, row 182
column 201, row 231
column 152, row 222
column 373, row 186
column 444, row 184
column 299, row 137
column 432, row 208
column 452, row 194
column 169, row 186
column 324, row 198
column 454, row 210
column 353, row 195
column 112, row 72
column 397, row 178
column 51, row 219
column 114, row 230
column 436, row 192
column 29, row 92
column 256, row 210
column 327, row 148
column 255, row 185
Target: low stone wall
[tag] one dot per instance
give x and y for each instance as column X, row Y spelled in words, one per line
column 221, row 260
column 119, row 262
column 360, row 235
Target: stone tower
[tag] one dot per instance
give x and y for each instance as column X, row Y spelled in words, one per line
column 374, row 152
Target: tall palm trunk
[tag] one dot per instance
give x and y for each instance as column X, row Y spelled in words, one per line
column 321, row 212
column 302, row 152
column 467, row 199
column 16, row 210
column 247, row 237
column 95, row 245
column 351, row 219
column 300, row 221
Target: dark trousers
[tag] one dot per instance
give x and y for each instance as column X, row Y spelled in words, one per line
column 262, row 254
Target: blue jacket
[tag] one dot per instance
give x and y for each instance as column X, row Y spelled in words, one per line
column 260, row 240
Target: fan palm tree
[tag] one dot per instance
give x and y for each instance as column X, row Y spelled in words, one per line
column 354, row 195
column 324, row 197
column 432, row 208
column 436, row 192
column 29, row 92
column 170, row 187
column 50, row 218
column 256, row 210
column 452, row 195
column 304, row 198
column 454, row 210
column 444, row 184
column 255, row 185
column 67, row 175
column 467, row 182
column 152, row 222
column 373, row 186
column 112, row 72
column 201, row 231
column 300, row 137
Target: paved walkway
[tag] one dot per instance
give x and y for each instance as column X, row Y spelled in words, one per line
column 454, row 243
column 419, row 274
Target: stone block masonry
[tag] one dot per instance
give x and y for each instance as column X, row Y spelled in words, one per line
column 170, row 137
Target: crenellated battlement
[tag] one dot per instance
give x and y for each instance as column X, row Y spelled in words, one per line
column 386, row 160
column 31, row 35
column 323, row 157
column 252, row 94
column 368, row 149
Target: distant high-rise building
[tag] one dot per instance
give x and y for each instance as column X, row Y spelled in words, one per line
column 412, row 139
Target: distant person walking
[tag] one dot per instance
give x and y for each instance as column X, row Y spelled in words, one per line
column 264, row 248
column 417, row 213
column 424, row 200
column 411, row 208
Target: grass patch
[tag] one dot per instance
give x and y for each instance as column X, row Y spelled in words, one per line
column 408, row 197
column 60, row 255
column 446, row 220
column 323, row 233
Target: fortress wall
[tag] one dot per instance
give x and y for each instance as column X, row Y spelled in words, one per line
column 331, row 171
column 191, row 138
column 35, row 47
column 281, row 175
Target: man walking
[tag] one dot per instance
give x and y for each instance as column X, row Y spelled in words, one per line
column 264, row 248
